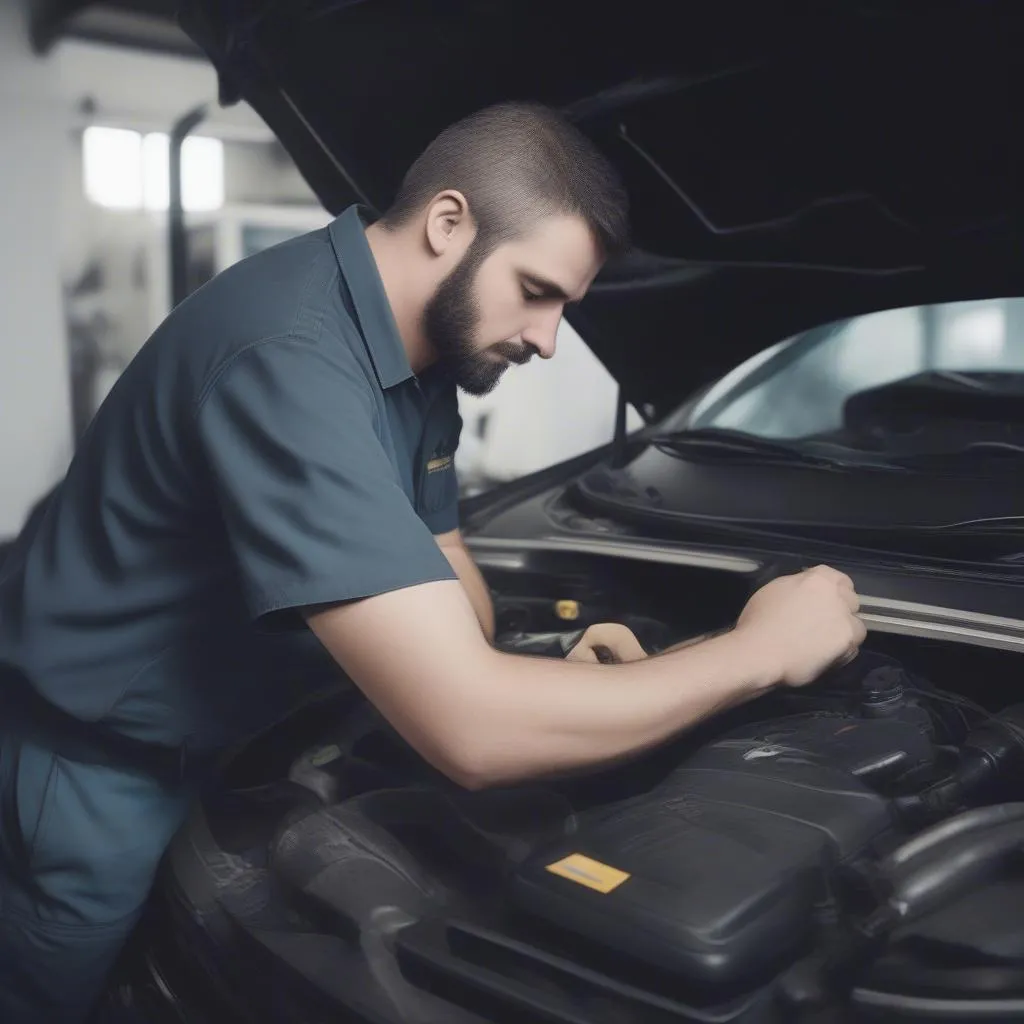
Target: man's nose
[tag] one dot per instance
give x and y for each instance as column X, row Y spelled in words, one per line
column 542, row 333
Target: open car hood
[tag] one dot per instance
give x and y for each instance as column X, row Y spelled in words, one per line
column 788, row 163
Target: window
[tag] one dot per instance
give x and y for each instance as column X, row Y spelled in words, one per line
column 126, row 170
column 798, row 388
column 112, row 166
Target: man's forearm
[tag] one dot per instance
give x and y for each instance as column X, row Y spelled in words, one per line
column 487, row 718
column 548, row 717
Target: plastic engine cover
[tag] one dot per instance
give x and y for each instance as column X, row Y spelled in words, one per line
column 714, row 876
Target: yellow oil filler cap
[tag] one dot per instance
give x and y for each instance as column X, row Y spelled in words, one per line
column 567, row 611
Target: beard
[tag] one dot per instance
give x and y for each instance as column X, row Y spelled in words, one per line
column 450, row 322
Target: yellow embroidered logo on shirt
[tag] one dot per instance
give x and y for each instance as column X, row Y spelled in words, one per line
column 591, row 873
column 436, row 465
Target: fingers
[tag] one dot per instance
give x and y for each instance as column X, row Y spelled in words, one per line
column 582, row 652
column 624, row 646
column 847, row 591
column 834, row 574
column 845, row 585
column 860, row 631
column 607, row 643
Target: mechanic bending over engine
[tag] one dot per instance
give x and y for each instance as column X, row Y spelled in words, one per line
column 280, row 456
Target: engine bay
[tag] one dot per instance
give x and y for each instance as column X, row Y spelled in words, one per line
column 854, row 843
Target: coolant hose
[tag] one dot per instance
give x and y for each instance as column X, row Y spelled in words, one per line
column 934, row 867
column 969, row 822
column 954, row 866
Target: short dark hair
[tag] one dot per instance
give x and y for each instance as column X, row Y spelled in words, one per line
column 517, row 163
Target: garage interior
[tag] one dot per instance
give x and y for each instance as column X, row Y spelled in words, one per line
column 846, row 851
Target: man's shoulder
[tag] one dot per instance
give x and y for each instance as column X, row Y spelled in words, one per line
column 285, row 289
column 289, row 293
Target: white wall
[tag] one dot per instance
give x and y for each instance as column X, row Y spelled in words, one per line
column 35, row 432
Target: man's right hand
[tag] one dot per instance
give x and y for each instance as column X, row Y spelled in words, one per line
column 804, row 624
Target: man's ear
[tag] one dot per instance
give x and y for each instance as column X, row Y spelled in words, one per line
column 449, row 225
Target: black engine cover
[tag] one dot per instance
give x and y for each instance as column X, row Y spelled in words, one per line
column 716, row 874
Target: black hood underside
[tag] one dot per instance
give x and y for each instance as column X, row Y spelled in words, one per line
column 787, row 163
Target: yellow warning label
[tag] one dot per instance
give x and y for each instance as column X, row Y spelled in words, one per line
column 568, row 611
column 591, row 873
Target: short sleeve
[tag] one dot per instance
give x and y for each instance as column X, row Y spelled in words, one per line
column 313, row 508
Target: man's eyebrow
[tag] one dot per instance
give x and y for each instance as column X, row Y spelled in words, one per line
column 547, row 289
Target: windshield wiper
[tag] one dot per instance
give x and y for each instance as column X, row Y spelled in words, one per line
column 718, row 443
column 998, row 525
column 983, row 453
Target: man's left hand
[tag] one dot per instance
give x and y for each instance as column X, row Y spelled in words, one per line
column 607, row 643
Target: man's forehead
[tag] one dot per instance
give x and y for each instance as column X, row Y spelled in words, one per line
column 559, row 253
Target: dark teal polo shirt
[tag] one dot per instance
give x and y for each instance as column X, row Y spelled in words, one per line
column 268, row 449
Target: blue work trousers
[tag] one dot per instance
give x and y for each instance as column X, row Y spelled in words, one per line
column 94, row 835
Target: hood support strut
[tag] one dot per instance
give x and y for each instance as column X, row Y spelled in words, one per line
column 618, row 452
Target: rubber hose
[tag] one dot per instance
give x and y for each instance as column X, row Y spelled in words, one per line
column 969, row 822
column 963, row 862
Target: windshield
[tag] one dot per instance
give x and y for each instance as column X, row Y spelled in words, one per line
column 797, row 388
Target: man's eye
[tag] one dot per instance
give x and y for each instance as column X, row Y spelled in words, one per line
column 531, row 296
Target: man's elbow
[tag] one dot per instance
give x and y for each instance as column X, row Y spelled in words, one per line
column 468, row 771
column 476, row 779
column 474, row 782
column 473, row 764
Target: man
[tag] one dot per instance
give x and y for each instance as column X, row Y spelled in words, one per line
column 268, row 493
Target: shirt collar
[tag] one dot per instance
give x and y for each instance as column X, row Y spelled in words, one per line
column 373, row 311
